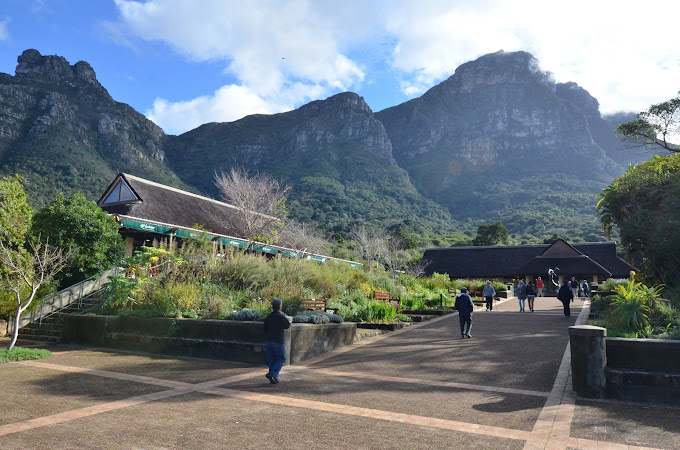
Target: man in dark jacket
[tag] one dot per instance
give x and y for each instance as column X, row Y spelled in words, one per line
column 274, row 326
column 565, row 295
column 465, row 307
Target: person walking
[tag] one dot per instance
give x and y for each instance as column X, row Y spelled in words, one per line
column 488, row 293
column 586, row 289
column 531, row 294
column 573, row 284
column 565, row 295
column 274, row 326
column 521, row 295
column 539, row 287
column 465, row 307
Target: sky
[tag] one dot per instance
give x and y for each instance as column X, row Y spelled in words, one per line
column 183, row 63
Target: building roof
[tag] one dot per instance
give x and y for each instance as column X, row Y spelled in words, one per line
column 132, row 196
column 509, row 261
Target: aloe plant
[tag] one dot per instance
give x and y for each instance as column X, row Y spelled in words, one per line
column 635, row 301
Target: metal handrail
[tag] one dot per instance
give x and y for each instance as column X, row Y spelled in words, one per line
column 79, row 297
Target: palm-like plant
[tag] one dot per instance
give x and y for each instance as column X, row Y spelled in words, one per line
column 635, row 301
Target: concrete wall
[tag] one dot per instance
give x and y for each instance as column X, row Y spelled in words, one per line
column 643, row 354
column 223, row 339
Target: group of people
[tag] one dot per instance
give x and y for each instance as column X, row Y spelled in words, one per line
column 526, row 293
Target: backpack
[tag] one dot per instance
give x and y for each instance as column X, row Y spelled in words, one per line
column 530, row 289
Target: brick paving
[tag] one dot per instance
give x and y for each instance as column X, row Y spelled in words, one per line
column 420, row 387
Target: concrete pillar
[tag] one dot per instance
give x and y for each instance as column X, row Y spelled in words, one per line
column 595, row 279
column 588, row 360
column 129, row 246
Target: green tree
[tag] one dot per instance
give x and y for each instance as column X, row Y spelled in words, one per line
column 491, row 234
column 655, row 126
column 88, row 232
column 22, row 271
column 644, row 205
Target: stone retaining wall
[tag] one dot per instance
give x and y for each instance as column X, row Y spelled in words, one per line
column 223, row 339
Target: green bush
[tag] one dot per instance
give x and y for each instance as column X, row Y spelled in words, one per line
column 611, row 283
column 21, row 354
column 316, row 317
column 249, row 315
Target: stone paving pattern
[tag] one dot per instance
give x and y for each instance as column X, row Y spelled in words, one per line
column 421, row 387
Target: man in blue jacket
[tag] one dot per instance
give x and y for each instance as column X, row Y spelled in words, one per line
column 465, row 307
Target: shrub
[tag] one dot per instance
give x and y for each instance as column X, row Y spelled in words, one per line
column 611, row 283
column 21, row 354
column 247, row 314
column 317, row 317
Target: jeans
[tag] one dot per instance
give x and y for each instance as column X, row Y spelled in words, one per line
column 276, row 358
column 489, row 303
column 465, row 324
column 521, row 303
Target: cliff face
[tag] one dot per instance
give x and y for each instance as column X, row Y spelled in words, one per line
column 62, row 130
column 333, row 152
column 476, row 142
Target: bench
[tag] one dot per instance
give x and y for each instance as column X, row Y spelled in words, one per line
column 387, row 298
column 317, row 304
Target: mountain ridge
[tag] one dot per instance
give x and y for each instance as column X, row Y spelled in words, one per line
column 497, row 137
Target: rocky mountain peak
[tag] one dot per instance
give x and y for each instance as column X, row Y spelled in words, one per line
column 52, row 68
column 581, row 98
column 494, row 69
column 345, row 102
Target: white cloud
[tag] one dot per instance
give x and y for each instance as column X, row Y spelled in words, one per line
column 4, row 32
column 227, row 104
column 603, row 46
column 282, row 52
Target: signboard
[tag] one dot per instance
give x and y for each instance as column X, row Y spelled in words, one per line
column 265, row 249
column 233, row 242
column 320, row 259
column 290, row 253
column 151, row 228
column 193, row 235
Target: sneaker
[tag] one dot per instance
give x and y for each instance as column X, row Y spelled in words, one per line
column 271, row 379
column 469, row 336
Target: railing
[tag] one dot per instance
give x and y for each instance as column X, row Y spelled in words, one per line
column 53, row 303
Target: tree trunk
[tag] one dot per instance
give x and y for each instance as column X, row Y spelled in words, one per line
column 15, row 330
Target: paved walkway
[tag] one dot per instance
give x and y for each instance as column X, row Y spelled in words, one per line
column 421, row 387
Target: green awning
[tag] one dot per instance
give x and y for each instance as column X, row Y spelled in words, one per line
column 265, row 249
column 290, row 253
column 233, row 242
column 151, row 228
column 355, row 265
column 193, row 235
column 320, row 259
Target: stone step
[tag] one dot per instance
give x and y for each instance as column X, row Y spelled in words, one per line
column 44, row 326
column 39, row 337
column 42, row 331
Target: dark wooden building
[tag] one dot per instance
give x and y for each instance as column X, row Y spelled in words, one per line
column 594, row 261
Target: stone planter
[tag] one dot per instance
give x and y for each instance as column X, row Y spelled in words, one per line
column 220, row 339
column 384, row 326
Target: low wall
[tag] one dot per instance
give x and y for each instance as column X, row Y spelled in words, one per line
column 223, row 339
column 643, row 354
column 646, row 370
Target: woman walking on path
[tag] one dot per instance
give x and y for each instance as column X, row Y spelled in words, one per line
column 531, row 294
column 488, row 293
column 521, row 295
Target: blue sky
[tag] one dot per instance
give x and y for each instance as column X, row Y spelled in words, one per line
column 183, row 63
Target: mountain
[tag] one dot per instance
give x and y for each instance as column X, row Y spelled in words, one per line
column 63, row 132
column 500, row 140
column 333, row 152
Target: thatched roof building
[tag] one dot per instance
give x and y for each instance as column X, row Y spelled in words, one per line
column 147, row 210
column 590, row 260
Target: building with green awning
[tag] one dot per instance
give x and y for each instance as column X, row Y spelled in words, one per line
column 147, row 210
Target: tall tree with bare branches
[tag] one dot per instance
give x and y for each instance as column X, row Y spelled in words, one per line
column 260, row 200
column 25, row 271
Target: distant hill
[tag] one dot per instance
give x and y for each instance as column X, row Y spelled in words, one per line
column 498, row 140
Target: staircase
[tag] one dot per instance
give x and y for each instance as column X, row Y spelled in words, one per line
column 50, row 327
